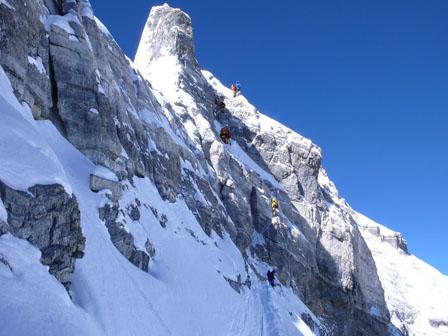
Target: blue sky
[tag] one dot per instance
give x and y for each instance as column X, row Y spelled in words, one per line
column 365, row 80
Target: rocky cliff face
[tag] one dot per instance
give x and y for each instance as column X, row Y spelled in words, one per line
column 328, row 264
column 48, row 218
column 156, row 123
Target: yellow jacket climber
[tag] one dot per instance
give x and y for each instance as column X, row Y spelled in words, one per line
column 274, row 206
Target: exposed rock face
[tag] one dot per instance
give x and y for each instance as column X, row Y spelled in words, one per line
column 90, row 91
column 394, row 239
column 123, row 240
column 118, row 123
column 49, row 219
column 329, row 265
column 178, row 40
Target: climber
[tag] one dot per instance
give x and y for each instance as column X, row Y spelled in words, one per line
column 236, row 88
column 225, row 135
column 274, row 206
column 220, row 102
column 271, row 277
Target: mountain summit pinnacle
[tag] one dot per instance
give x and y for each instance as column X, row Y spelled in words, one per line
column 168, row 31
column 126, row 168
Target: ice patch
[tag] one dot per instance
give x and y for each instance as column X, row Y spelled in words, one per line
column 5, row 3
column 3, row 213
column 86, row 10
column 102, row 27
column 37, row 62
column 105, row 173
column 73, row 38
column 62, row 22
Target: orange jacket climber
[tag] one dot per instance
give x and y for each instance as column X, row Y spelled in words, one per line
column 235, row 89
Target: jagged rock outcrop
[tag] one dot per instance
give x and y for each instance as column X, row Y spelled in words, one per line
column 161, row 122
column 327, row 264
column 394, row 239
column 122, row 239
column 49, row 219
column 119, row 123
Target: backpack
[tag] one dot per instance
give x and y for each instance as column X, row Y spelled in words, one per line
column 225, row 132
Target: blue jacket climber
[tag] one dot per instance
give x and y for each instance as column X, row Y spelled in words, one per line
column 238, row 85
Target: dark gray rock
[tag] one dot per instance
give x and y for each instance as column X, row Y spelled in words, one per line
column 150, row 249
column 122, row 239
column 438, row 323
column 4, row 227
column 49, row 219
column 133, row 212
column 163, row 219
column 105, row 109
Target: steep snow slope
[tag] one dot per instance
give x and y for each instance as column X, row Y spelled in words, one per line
column 165, row 66
column 111, row 296
column 32, row 302
column 416, row 293
column 21, row 146
column 315, row 246
column 169, row 192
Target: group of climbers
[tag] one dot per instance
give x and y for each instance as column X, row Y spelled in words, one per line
column 226, row 137
column 225, row 133
column 236, row 90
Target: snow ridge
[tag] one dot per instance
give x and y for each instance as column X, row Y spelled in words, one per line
column 200, row 280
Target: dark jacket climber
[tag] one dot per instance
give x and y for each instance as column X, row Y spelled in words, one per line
column 271, row 277
column 220, row 102
column 274, row 206
column 225, row 135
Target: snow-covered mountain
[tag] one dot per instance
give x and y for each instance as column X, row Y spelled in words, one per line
column 123, row 213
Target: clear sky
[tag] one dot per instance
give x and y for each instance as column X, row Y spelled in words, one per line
column 365, row 80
